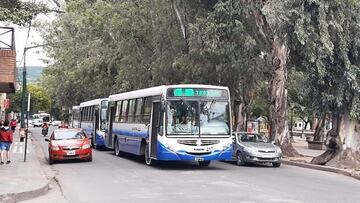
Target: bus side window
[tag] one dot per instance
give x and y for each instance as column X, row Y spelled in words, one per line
column 123, row 117
column 131, row 110
column 139, row 110
column 118, row 111
column 147, row 110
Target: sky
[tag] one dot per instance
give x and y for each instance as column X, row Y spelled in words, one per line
column 35, row 56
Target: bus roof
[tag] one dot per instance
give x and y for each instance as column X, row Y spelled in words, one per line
column 158, row 90
column 93, row 102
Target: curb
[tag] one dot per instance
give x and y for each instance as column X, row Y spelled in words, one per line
column 322, row 168
column 22, row 196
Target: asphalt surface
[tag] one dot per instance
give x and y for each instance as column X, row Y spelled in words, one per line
column 109, row 178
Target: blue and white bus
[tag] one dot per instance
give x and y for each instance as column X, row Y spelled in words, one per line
column 92, row 120
column 75, row 117
column 176, row 122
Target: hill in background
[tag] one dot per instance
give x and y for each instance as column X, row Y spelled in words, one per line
column 33, row 73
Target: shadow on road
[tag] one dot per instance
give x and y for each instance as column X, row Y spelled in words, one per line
column 168, row 165
column 254, row 165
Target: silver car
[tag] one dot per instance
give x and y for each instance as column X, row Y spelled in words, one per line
column 254, row 148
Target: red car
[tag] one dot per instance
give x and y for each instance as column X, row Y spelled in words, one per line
column 69, row 143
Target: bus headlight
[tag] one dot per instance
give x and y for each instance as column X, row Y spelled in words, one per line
column 225, row 147
column 171, row 148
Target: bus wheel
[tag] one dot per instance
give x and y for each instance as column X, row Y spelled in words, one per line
column 117, row 148
column 148, row 160
column 204, row 163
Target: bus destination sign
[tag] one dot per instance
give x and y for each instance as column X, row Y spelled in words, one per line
column 196, row 92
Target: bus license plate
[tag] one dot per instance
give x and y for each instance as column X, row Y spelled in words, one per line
column 71, row 152
column 199, row 159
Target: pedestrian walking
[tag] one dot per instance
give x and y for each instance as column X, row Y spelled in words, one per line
column 6, row 139
column 13, row 125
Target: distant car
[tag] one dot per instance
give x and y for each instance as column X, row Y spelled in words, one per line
column 255, row 148
column 37, row 122
column 69, row 143
column 55, row 123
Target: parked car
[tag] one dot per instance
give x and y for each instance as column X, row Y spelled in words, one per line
column 255, row 148
column 55, row 123
column 37, row 122
column 69, row 143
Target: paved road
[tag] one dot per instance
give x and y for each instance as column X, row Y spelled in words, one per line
column 127, row 179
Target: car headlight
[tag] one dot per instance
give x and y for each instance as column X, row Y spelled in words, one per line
column 250, row 150
column 55, row 148
column 86, row 146
column 278, row 150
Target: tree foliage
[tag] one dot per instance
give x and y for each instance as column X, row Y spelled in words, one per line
column 39, row 99
column 264, row 51
column 19, row 12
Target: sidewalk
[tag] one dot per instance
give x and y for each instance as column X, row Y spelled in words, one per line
column 21, row 180
column 300, row 144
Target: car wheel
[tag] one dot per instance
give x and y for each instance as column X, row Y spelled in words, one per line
column 276, row 164
column 93, row 142
column 239, row 159
column 204, row 163
column 90, row 159
column 148, row 160
column 51, row 161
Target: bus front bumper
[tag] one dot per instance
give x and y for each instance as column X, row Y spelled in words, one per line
column 164, row 153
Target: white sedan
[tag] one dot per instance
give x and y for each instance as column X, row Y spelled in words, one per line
column 55, row 123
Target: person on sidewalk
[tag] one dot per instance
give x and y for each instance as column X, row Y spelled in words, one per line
column 13, row 125
column 6, row 139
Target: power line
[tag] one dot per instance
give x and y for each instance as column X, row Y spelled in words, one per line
column 22, row 58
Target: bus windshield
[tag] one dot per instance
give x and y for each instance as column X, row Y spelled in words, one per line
column 182, row 117
column 197, row 118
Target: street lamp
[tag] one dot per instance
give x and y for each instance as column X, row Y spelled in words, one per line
column 24, row 85
column 23, row 99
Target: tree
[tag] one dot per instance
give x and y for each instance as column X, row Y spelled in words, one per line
column 324, row 38
column 18, row 12
column 39, row 99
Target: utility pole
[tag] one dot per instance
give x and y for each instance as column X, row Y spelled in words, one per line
column 23, row 94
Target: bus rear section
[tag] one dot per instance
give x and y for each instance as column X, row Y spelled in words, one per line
column 92, row 120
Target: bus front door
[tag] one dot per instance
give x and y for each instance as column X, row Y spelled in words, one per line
column 155, row 125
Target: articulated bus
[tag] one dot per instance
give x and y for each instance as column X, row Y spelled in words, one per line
column 75, row 117
column 92, row 120
column 176, row 122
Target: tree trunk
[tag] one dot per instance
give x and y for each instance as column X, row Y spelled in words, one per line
column 349, row 133
column 182, row 26
column 320, row 129
column 240, row 118
column 347, row 154
column 314, row 121
column 333, row 147
column 278, row 99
